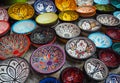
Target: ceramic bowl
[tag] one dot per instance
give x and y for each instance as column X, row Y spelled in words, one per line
column 21, row 11
column 68, row 15
column 84, row 2
column 100, row 39
column 96, row 69
column 89, row 25
column 109, row 57
column 67, row 30
column 13, row 45
column 3, row 14
column 4, row 27
column 80, row 48
column 63, row 5
column 42, row 36
column 86, row 11
column 24, row 26
column 102, row 1
column 14, row 70
column 10, row 2
column 108, row 20
column 41, row 6
column 115, row 3
column 48, row 59
column 49, row 80
column 72, row 75
column 117, row 14
column 113, row 78
column 116, row 47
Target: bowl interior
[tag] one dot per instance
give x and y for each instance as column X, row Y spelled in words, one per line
column 102, row 1
column 84, row 2
column 113, row 78
column 117, row 14
column 50, row 80
column 3, row 14
column 116, row 47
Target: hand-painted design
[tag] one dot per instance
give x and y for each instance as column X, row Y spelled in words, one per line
column 113, row 78
column 13, row 45
column 102, row 1
column 80, row 48
column 84, row 2
column 3, row 14
column 49, row 80
column 14, row 70
column 47, row 59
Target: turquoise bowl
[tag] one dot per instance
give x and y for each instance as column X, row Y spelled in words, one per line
column 116, row 47
column 115, row 3
column 102, row 1
column 117, row 14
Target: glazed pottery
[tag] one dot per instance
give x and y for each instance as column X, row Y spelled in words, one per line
column 84, row 2
column 115, row 3
column 102, row 1
column 49, row 80
column 3, row 14
column 117, row 14
column 10, row 2
column 116, row 47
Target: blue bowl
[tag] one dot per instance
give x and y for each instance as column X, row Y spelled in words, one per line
column 115, row 3
column 117, row 14
column 49, row 80
column 102, row 1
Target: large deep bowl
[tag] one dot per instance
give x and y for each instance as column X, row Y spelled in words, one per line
column 47, row 59
column 49, row 80
column 41, row 6
column 3, row 14
column 116, row 47
column 89, row 25
column 80, row 48
column 115, row 3
column 102, row 1
column 117, row 14
column 108, row 20
column 13, row 45
column 14, row 70
column 84, row 2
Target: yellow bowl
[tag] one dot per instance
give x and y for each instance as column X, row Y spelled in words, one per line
column 21, row 11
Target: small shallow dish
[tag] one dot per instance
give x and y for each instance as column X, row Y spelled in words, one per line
column 109, row 57
column 24, row 26
column 102, row 1
column 49, row 80
column 63, row 5
column 80, row 48
column 116, row 47
column 84, row 2
column 21, row 11
column 4, row 27
column 89, row 25
column 72, row 75
column 96, row 69
column 113, row 78
column 100, row 39
column 42, row 36
column 117, row 14
column 14, row 70
column 108, row 20
column 68, row 15
column 86, row 11
column 13, row 45
column 41, row 6
column 48, row 59
column 115, row 3
column 3, row 14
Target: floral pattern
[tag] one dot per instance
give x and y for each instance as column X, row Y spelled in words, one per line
column 14, row 70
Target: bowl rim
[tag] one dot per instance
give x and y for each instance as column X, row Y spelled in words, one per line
column 52, row 71
column 51, row 77
column 100, row 2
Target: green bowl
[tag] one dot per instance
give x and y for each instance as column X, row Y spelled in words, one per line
column 10, row 2
column 116, row 47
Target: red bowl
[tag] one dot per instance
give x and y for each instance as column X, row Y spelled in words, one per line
column 13, row 45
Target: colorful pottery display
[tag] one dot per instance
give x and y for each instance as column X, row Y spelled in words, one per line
column 117, row 14
column 86, row 11
column 108, row 20
column 3, row 14
column 115, row 3
column 49, row 18
column 67, row 30
column 102, row 1
column 24, row 26
column 116, row 47
column 41, row 6
column 68, row 15
column 109, row 57
column 100, row 39
column 63, row 5
column 21, row 11
column 4, row 27
column 113, row 78
column 47, row 59
column 49, row 80
column 84, row 2
column 72, row 75
column 89, row 25
column 14, row 70
column 80, row 48
column 13, row 45
column 96, row 69
column 42, row 36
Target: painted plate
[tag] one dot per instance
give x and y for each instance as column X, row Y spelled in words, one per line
column 24, row 26
column 47, row 59
column 117, row 14
column 68, row 15
column 41, row 6
column 116, row 47
column 49, row 80
column 100, row 39
column 4, row 14
column 14, row 70
column 13, row 45
column 84, row 2
column 67, row 30
column 108, row 20
column 102, row 1
column 80, row 48
column 96, row 69
column 115, row 3
column 21, row 11
column 89, row 25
